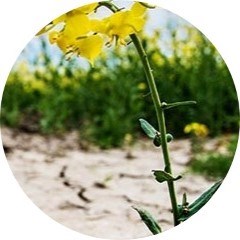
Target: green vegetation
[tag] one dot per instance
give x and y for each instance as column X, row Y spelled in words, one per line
column 213, row 164
column 105, row 102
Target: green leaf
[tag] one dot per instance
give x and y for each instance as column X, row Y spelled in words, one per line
column 150, row 222
column 199, row 202
column 148, row 128
column 177, row 104
column 204, row 198
column 162, row 176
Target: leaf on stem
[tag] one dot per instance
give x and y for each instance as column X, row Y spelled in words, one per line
column 148, row 128
column 150, row 222
column 152, row 133
column 177, row 104
column 162, row 176
column 199, row 202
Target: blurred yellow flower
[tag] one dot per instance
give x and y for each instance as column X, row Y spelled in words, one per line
column 128, row 138
column 198, row 129
column 37, row 86
column 96, row 76
column 142, row 86
column 158, row 59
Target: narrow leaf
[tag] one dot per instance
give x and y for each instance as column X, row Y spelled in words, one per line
column 162, row 176
column 148, row 128
column 177, row 104
column 204, row 198
column 200, row 202
column 150, row 222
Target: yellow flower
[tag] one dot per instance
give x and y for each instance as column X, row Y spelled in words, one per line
column 158, row 59
column 39, row 86
column 96, row 76
column 87, row 9
column 198, row 129
column 77, row 37
column 123, row 23
column 76, row 33
column 88, row 47
column 142, row 86
column 128, row 139
column 77, row 25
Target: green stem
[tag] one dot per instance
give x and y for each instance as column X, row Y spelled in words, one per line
column 161, row 120
column 158, row 108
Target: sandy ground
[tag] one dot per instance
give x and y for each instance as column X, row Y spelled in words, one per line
column 92, row 191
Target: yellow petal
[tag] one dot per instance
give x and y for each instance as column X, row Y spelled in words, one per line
column 77, row 26
column 123, row 23
column 138, row 9
column 53, row 36
column 63, row 42
column 90, row 47
column 70, row 15
column 98, row 26
column 86, row 9
column 60, row 19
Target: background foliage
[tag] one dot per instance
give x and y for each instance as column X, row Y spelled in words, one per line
column 105, row 102
column 212, row 163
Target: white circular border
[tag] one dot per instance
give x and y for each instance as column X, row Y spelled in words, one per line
column 20, row 20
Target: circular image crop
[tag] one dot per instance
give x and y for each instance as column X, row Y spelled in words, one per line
column 119, row 120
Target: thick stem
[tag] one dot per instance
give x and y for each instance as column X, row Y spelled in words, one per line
column 158, row 108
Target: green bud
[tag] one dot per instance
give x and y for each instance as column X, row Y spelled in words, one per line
column 169, row 137
column 157, row 140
